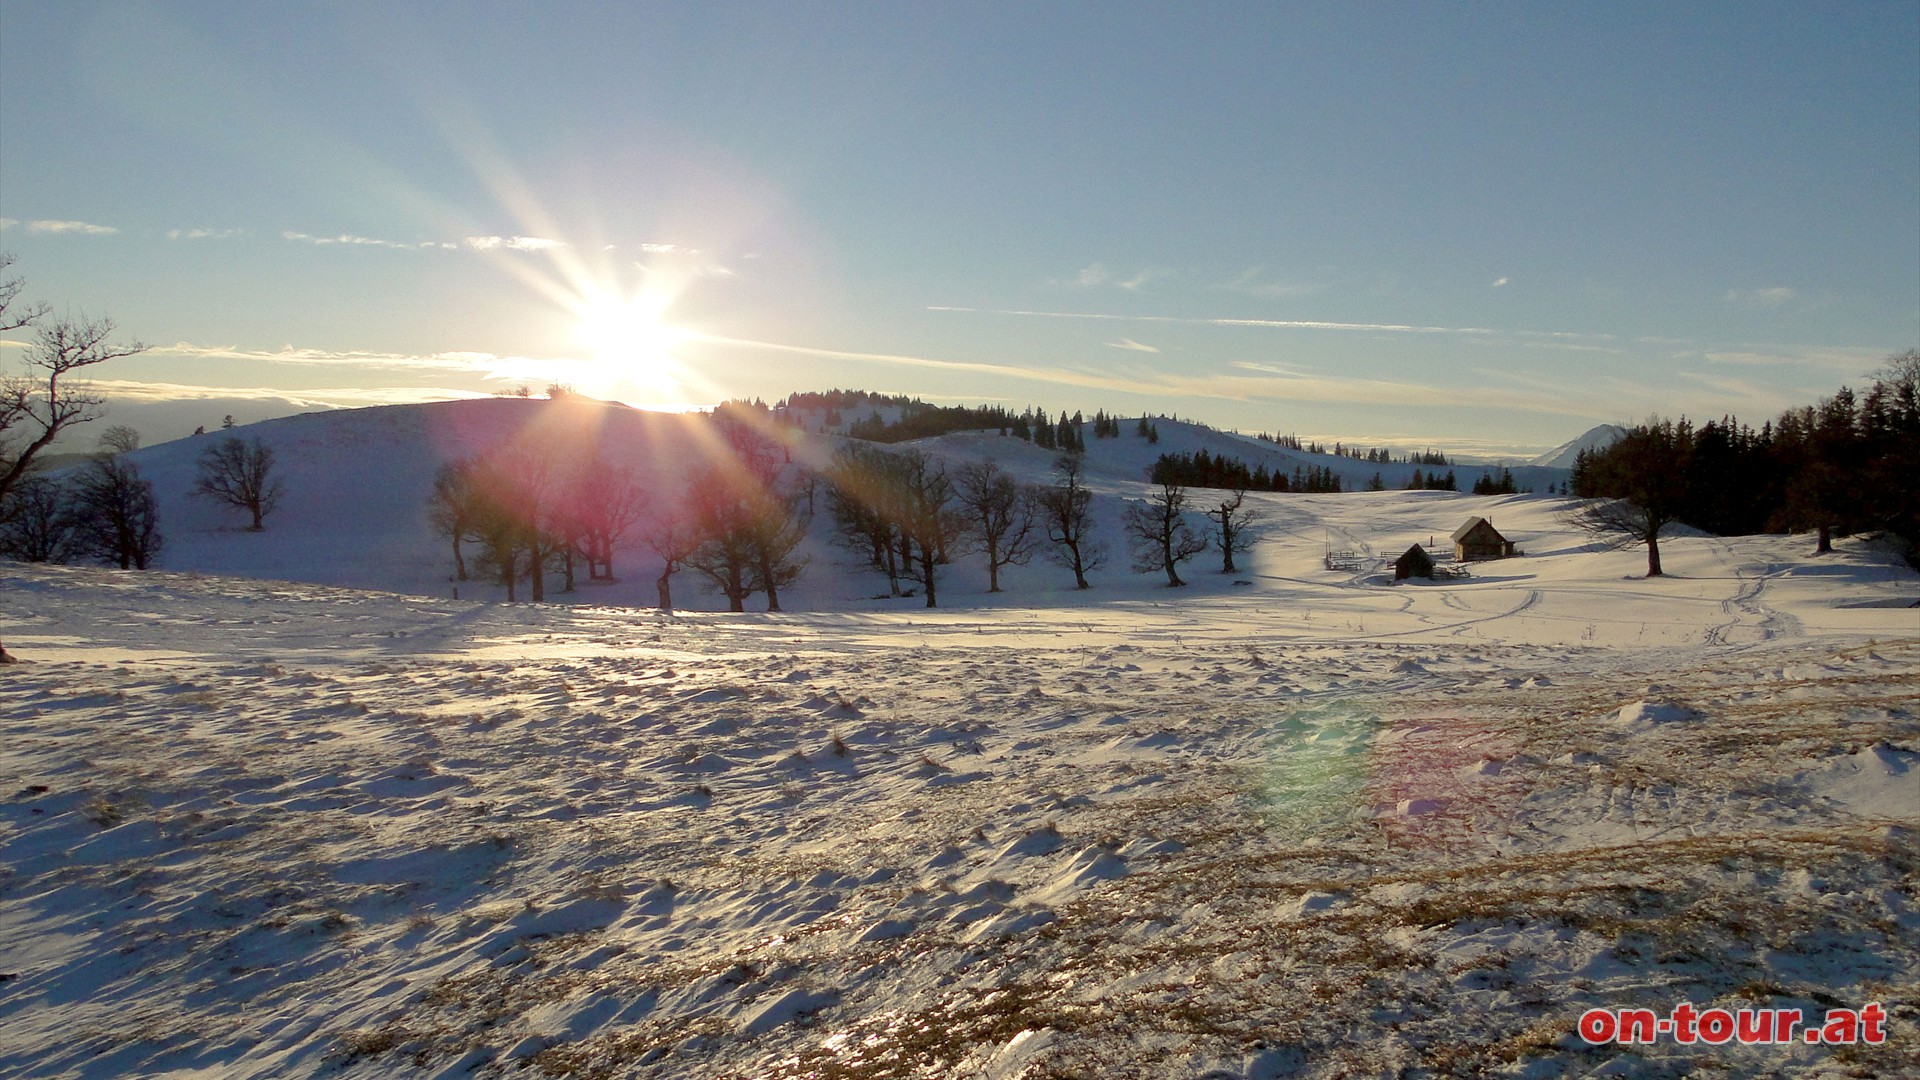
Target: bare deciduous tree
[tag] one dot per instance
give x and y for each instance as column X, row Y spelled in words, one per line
column 928, row 520
column 35, row 525
column 450, row 509
column 863, row 495
column 748, row 531
column 240, row 474
column 673, row 538
column 115, row 517
column 1162, row 539
column 1066, row 517
column 1233, row 527
column 1000, row 517
column 606, row 502
column 40, row 403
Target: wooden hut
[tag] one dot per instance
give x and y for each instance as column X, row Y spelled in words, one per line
column 1478, row 539
column 1415, row 563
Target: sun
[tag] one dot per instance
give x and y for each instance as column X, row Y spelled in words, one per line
column 629, row 342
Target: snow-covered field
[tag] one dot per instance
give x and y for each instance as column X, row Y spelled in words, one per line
column 1315, row 824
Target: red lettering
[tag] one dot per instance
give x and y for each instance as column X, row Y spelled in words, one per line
column 1784, row 1021
column 1683, row 1020
column 1873, row 1020
column 1638, row 1025
column 1842, row 1026
column 1598, row 1026
column 1755, row 1025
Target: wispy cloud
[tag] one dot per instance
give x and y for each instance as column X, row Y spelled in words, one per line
column 1269, row 369
column 1129, row 343
column 1097, row 276
column 478, row 363
column 1247, row 383
column 1852, row 361
column 1499, row 283
column 80, row 228
column 1254, row 281
column 1271, row 324
column 202, row 234
column 1768, row 297
column 346, row 240
column 512, row 243
column 323, row 398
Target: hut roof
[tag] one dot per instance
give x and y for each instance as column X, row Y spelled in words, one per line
column 1472, row 523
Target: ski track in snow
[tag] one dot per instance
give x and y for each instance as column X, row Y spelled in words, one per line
column 1318, row 826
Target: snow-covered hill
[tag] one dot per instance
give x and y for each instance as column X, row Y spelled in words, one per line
column 357, row 483
column 1598, row 438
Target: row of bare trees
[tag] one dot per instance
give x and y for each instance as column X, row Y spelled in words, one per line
column 522, row 514
column 908, row 515
column 528, row 512
column 104, row 511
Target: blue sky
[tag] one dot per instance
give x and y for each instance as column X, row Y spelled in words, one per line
column 1475, row 226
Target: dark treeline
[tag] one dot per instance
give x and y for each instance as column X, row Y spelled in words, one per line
column 1849, row 464
column 1205, row 470
column 1377, row 455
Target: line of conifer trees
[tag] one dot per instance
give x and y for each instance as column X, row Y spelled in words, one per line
column 1848, row 464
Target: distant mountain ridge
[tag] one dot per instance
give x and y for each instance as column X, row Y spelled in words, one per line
column 1562, row 456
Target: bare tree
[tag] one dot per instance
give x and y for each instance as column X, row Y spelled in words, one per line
column 1233, row 527
column 39, row 404
column 929, row 520
column 1162, row 539
column 1066, row 517
column 863, row 495
column 119, row 439
column 13, row 314
column 1623, row 523
column 115, row 517
column 674, row 539
column 35, row 524
column 606, row 502
column 747, row 531
column 1000, row 517
column 510, row 514
column 450, row 508
column 241, row 476
column 1641, row 487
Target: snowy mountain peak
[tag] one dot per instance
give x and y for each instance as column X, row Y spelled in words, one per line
column 1599, row 438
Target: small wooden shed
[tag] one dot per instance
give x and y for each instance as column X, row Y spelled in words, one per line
column 1478, row 539
column 1415, row 563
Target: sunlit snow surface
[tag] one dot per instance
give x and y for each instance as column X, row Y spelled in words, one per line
column 1314, row 825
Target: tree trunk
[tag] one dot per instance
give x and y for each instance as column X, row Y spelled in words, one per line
column 459, row 563
column 664, row 584
column 569, row 569
column 773, row 595
column 1826, row 539
column 1653, row 556
column 927, row 556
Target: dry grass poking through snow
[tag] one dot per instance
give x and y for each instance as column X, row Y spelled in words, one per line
column 1099, row 859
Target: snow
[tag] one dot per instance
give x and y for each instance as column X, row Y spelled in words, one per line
column 1319, row 825
column 1564, row 455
